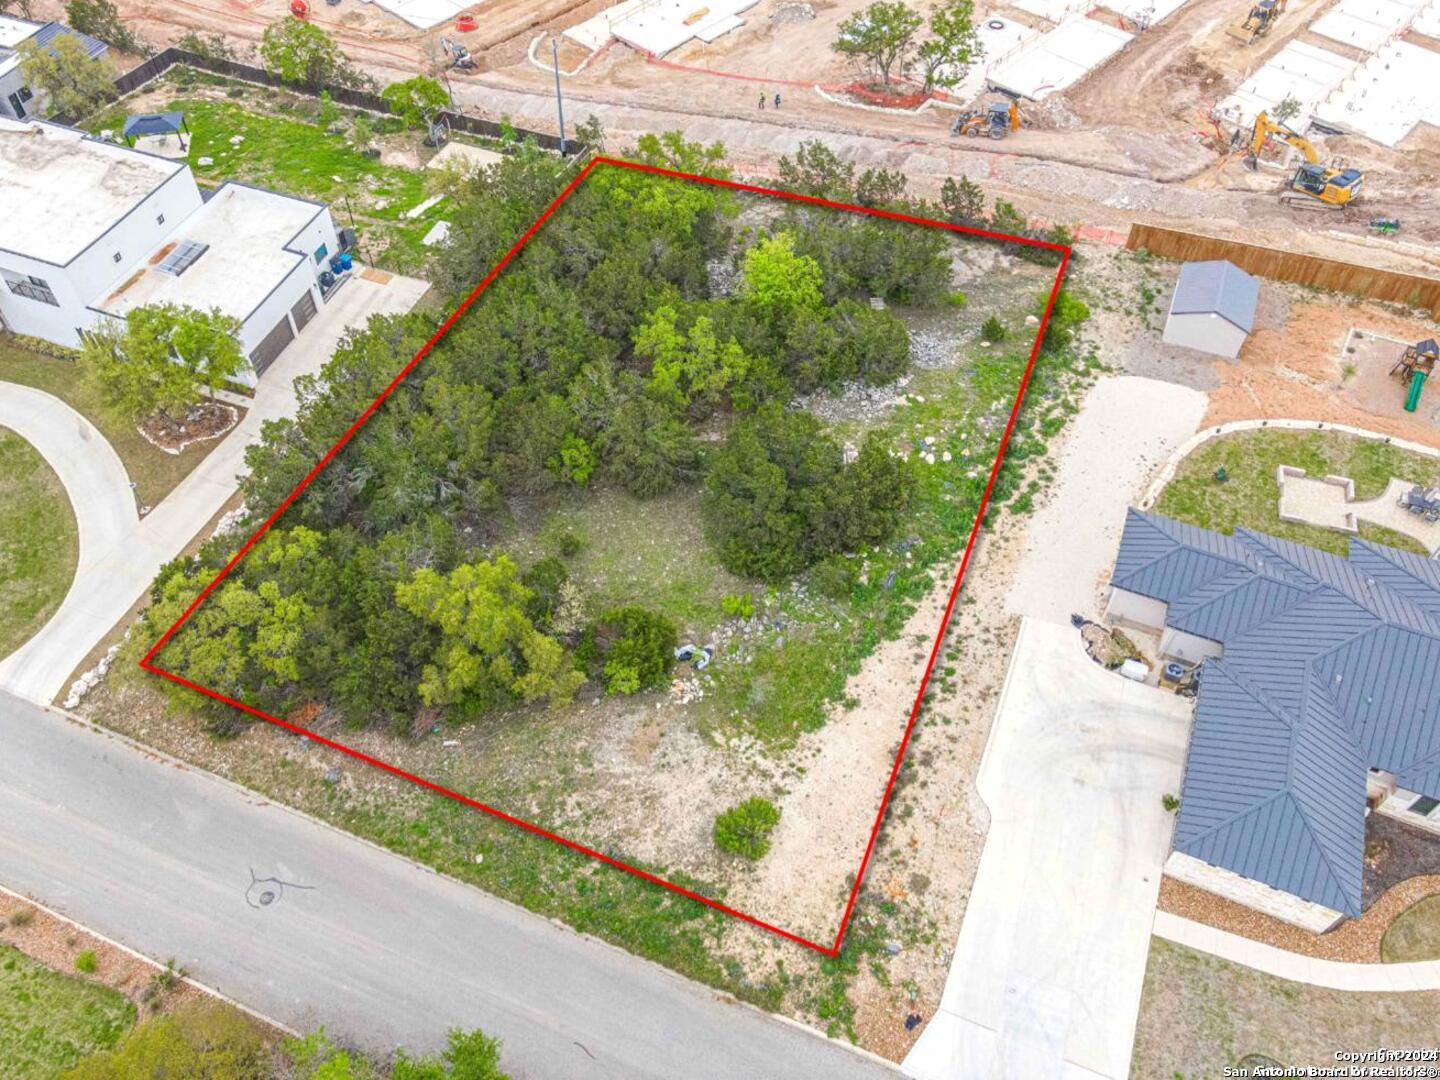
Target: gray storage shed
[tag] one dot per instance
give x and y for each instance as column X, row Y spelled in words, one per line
column 1213, row 309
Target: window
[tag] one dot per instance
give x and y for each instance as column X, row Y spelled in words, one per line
column 1423, row 805
column 116, row 257
column 30, row 287
column 321, row 252
column 159, row 219
column 182, row 258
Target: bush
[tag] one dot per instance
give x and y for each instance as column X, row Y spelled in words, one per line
column 201, row 1040
column 835, row 577
column 86, row 962
column 738, row 606
column 544, row 580
column 23, row 917
column 745, row 829
column 629, row 649
column 993, row 329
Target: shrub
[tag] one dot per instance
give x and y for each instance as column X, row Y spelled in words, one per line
column 745, row 829
column 993, row 329
column 629, row 649
column 835, row 577
column 23, row 917
column 201, row 1040
column 569, row 543
column 544, row 580
column 87, row 962
column 957, row 300
column 738, row 606
column 1170, row 802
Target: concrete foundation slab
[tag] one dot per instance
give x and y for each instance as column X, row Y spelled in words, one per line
column 1389, row 94
column 423, row 14
column 1058, row 58
column 999, row 37
column 1053, row 10
column 1300, row 71
column 1427, row 21
column 1367, row 24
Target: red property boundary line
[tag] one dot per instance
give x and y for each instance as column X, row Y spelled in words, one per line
column 147, row 663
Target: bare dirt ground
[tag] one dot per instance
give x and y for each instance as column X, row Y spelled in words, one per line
column 1201, row 1014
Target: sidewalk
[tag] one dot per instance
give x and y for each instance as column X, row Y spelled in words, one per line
column 1332, row 974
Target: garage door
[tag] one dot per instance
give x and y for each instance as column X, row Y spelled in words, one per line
column 272, row 345
column 304, row 310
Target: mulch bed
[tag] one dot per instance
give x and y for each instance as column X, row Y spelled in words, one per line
column 206, row 420
column 1404, row 869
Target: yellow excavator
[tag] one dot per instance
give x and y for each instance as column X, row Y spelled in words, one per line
column 1264, row 15
column 1314, row 186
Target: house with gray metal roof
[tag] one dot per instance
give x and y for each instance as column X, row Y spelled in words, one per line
column 1317, row 701
column 17, row 99
column 1213, row 308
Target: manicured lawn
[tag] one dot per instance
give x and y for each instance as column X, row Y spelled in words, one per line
column 39, row 544
column 294, row 155
column 1415, row 933
column 1250, row 497
column 154, row 472
column 49, row 1021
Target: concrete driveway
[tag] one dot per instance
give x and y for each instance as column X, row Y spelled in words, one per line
column 1050, row 961
column 118, row 565
column 1126, row 429
column 87, row 465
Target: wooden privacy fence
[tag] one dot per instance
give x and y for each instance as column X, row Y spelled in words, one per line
column 1314, row 270
column 355, row 98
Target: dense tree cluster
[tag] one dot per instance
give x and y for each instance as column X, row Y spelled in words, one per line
column 596, row 358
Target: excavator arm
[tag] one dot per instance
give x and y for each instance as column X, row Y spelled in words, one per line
column 1265, row 128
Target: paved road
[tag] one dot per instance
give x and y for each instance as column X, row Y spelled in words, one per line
column 161, row 857
column 118, row 564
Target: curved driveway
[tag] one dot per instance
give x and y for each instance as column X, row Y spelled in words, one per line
column 94, row 479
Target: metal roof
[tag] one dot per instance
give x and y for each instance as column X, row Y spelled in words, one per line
column 1331, row 666
column 1217, row 288
column 51, row 30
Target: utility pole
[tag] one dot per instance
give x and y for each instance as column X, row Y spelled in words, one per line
column 559, row 103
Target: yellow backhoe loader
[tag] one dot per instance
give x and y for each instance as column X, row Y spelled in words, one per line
column 1257, row 24
column 1314, row 186
column 997, row 120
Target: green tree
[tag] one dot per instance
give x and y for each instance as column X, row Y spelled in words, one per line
column 414, row 99
column 162, row 358
column 302, row 53
column 745, row 829
column 818, row 170
column 953, row 46
column 490, row 649
column 316, row 1057
column 777, row 281
column 629, row 649
column 880, row 36
column 963, row 201
column 648, row 450
column 71, row 81
column 689, row 366
column 101, row 19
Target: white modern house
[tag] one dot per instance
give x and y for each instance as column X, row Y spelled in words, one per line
column 17, row 100
column 91, row 230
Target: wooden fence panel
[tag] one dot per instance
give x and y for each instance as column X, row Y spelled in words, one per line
column 1331, row 274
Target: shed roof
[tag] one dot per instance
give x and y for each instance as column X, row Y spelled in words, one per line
column 1219, row 288
column 1331, row 665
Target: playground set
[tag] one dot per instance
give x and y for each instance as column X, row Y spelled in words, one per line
column 1415, row 366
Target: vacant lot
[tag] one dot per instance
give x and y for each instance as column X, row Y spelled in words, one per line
column 1200, row 1015
column 39, row 544
column 1250, row 494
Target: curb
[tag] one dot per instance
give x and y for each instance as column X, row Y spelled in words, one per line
column 189, row 981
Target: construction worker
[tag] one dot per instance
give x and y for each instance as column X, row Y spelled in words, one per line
column 777, row 99
column 762, row 100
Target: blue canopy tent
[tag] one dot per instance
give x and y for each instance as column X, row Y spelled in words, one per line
column 164, row 123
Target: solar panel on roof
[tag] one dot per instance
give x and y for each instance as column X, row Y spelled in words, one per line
column 180, row 260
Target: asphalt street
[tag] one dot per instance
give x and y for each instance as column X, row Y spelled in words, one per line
column 309, row 925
